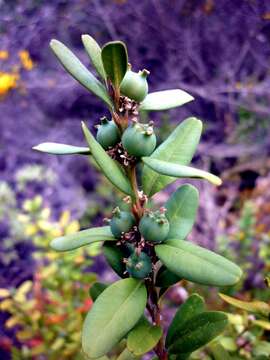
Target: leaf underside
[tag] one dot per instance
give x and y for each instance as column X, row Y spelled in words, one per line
column 61, row 149
column 178, row 148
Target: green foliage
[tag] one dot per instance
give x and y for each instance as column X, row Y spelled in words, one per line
column 197, row 264
column 180, row 171
column 82, row 238
column 143, row 337
column 181, row 211
column 115, row 61
column 94, row 52
column 164, row 100
column 194, row 305
column 115, row 326
column 76, row 69
column 61, row 149
column 113, row 315
column 178, row 148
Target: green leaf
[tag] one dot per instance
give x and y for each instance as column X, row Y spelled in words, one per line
column 163, row 100
column 165, row 278
column 219, row 352
column 114, row 256
column 257, row 307
column 94, row 52
column 108, row 166
column 126, row 355
column 180, row 171
column 197, row 264
column 115, row 312
column 181, row 211
column 143, row 337
column 178, row 148
column 115, row 61
column 96, row 289
column 194, row 305
column 61, row 149
column 82, row 238
column 198, row 331
column 77, row 70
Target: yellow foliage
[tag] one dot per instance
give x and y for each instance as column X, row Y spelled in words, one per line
column 8, row 81
column 4, row 54
column 4, row 293
column 26, row 60
column 12, row 321
column 21, row 292
column 6, row 305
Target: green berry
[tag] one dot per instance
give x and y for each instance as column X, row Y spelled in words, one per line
column 134, row 85
column 139, row 266
column 121, row 222
column 108, row 134
column 154, row 227
column 139, row 139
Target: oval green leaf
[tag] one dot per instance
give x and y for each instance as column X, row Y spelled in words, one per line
column 96, row 289
column 114, row 256
column 78, row 71
column 115, row 61
column 115, row 312
column 198, row 331
column 110, row 168
column 178, row 148
column 181, row 212
column 192, row 306
column 143, row 337
column 82, row 238
column 180, row 171
column 61, row 149
column 197, row 264
column 94, row 52
column 164, row 100
column 258, row 307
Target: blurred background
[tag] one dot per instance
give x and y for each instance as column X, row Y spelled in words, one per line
column 217, row 50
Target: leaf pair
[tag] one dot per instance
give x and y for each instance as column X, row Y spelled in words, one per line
column 193, row 327
column 196, row 264
column 115, row 312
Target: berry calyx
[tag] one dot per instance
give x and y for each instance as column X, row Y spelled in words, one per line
column 154, row 226
column 121, row 222
column 139, row 139
column 134, row 85
column 108, row 134
column 139, row 266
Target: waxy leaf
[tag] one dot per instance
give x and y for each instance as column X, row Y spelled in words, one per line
column 96, row 289
column 107, row 165
column 198, row 331
column 197, row 264
column 115, row 61
column 143, row 337
column 61, row 149
column 219, row 352
column 193, row 305
column 82, row 238
column 180, row 171
column 114, row 256
column 76, row 69
column 181, row 211
column 178, row 148
column 115, row 312
column 126, row 355
column 165, row 278
column 94, row 52
column 163, row 100
column 258, row 307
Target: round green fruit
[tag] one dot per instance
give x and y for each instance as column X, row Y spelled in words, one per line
column 121, row 222
column 134, row 85
column 139, row 139
column 108, row 134
column 154, row 227
column 139, row 266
